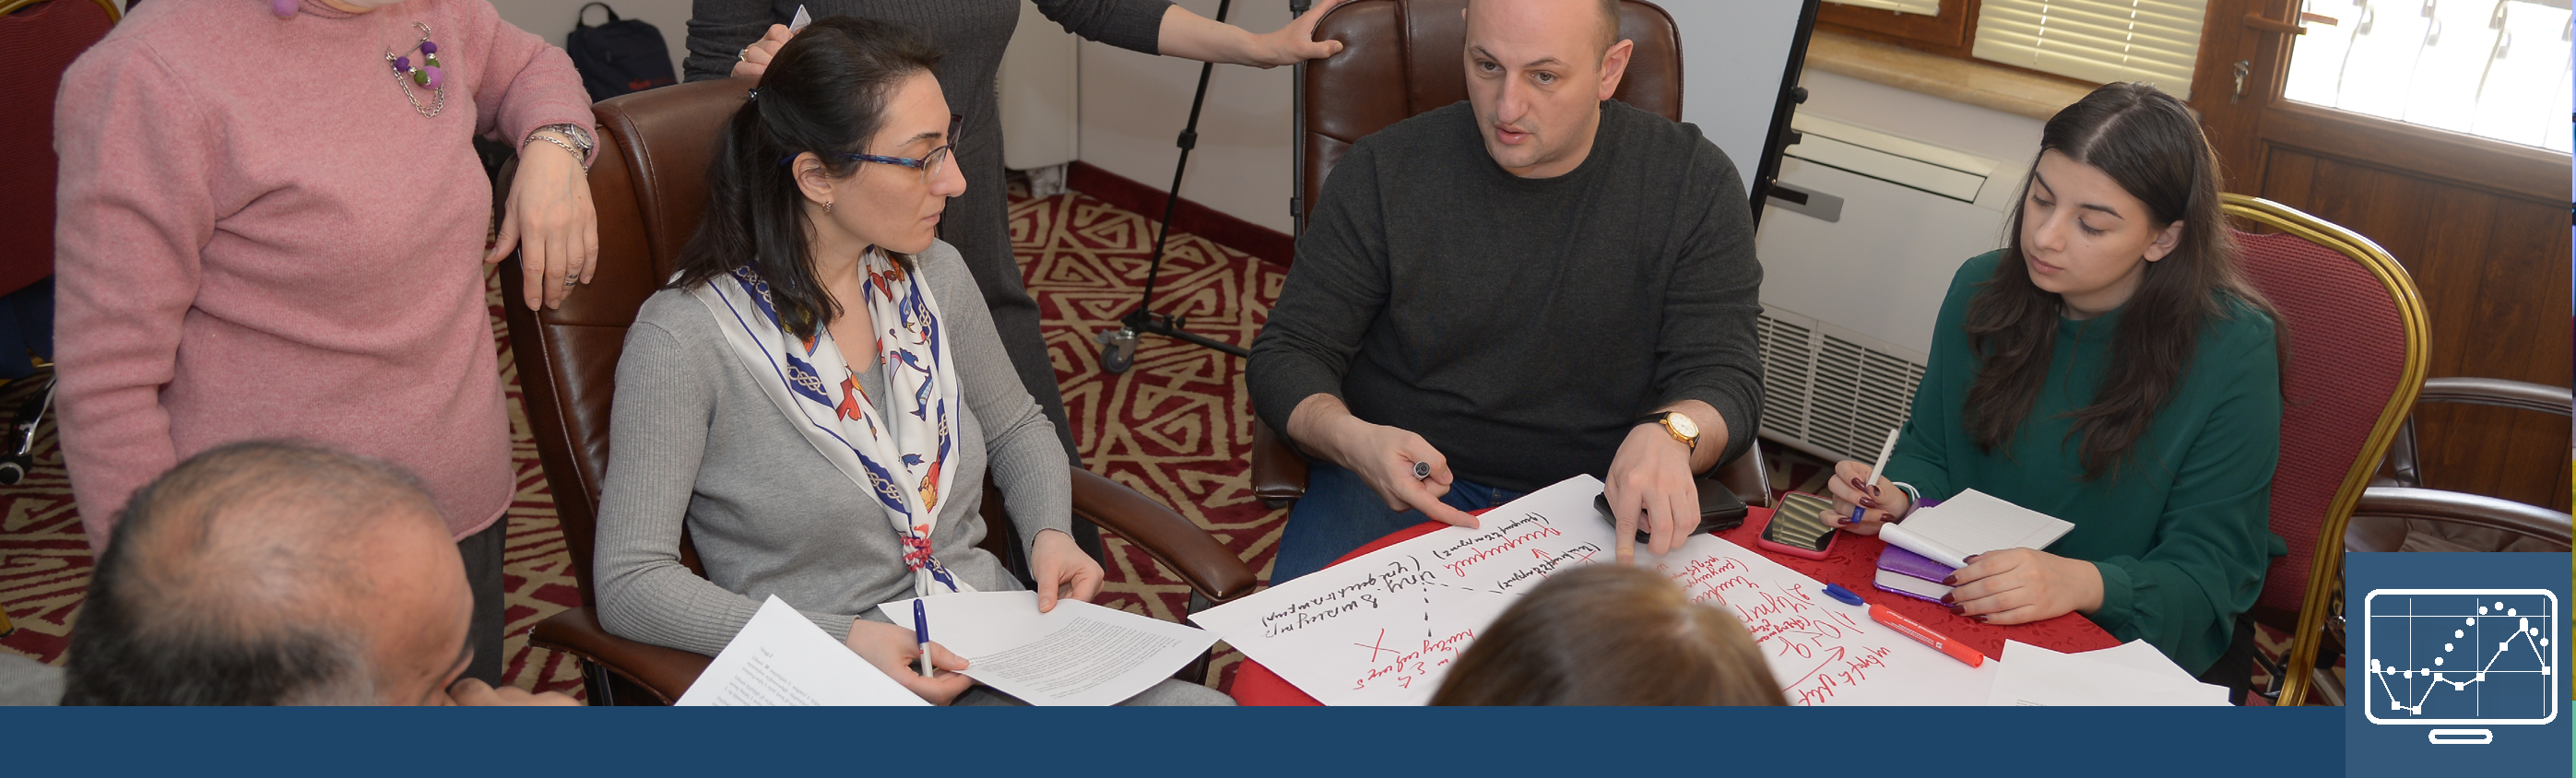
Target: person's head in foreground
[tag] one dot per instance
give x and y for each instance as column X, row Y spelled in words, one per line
column 278, row 574
column 1611, row 635
column 1537, row 71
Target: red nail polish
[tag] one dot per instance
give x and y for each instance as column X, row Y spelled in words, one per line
column 1869, row 503
column 1972, row 559
column 1955, row 611
column 1982, row 619
column 1873, row 490
column 1949, row 599
column 1950, row 580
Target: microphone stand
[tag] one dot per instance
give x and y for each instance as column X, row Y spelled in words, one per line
column 1118, row 346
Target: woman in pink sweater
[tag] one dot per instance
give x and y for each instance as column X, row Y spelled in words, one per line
column 271, row 225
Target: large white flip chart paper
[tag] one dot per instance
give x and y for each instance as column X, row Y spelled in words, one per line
column 1336, row 634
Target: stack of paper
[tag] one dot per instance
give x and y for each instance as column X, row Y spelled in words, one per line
column 2131, row 674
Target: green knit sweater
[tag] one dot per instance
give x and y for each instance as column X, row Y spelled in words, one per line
column 2180, row 529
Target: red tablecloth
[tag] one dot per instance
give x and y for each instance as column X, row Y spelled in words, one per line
column 1853, row 563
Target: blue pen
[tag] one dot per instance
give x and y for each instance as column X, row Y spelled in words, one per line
column 921, row 632
column 1845, row 596
column 1883, row 453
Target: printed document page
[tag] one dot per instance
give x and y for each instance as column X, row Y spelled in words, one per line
column 779, row 658
column 1080, row 654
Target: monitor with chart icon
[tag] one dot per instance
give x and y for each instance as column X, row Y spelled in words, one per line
column 2453, row 657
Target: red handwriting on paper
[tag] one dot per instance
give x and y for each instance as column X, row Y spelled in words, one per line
column 1434, row 655
column 1789, row 624
column 1378, row 647
column 1513, row 535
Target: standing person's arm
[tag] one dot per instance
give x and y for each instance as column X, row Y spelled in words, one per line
column 135, row 206
column 528, row 84
column 1706, row 366
column 720, row 31
column 1147, row 26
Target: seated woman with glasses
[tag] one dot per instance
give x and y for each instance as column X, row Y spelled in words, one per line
column 816, row 396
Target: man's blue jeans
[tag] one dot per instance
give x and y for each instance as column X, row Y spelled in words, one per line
column 1340, row 513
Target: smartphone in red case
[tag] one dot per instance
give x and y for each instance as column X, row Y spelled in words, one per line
column 1799, row 528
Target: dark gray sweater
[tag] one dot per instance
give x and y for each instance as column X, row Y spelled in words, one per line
column 1522, row 326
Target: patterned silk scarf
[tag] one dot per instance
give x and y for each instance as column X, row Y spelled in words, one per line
column 897, row 458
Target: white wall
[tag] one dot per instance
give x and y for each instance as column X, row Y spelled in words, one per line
column 550, row 19
column 1133, row 105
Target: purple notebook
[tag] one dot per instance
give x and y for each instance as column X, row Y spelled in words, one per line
column 1911, row 574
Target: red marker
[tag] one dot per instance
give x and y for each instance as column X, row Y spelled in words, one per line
column 1921, row 634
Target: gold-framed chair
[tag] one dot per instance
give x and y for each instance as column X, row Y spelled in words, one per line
column 2357, row 338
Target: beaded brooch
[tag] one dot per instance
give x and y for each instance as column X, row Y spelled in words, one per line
column 427, row 75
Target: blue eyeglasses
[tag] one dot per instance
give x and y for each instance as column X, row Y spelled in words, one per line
column 929, row 164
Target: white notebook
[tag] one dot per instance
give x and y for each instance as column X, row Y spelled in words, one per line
column 1973, row 523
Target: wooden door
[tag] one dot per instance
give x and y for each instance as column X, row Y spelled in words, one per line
column 2478, row 222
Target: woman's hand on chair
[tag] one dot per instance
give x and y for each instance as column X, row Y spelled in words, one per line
column 754, row 59
column 549, row 220
column 894, row 650
column 1880, row 503
column 1061, row 570
column 2019, row 585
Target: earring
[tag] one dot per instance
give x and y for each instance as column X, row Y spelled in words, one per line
column 827, row 206
column 285, row 9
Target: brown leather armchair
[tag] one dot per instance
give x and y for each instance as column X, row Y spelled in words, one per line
column 1403, row 57
column 2432, row 520
column 649, row 187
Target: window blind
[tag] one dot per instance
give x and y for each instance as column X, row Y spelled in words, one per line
column 1924, row 7
column 2154, row 41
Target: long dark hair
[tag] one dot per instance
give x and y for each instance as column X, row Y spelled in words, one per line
column 1611, row 635
column 2149, row 144
column 825, row 93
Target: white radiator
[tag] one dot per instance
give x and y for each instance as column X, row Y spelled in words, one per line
column 1858, row 245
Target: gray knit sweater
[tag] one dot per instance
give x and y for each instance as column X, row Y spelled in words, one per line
column 1522, row 326
column 696, row 444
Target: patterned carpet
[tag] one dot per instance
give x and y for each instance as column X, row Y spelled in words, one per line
column 1177, row 427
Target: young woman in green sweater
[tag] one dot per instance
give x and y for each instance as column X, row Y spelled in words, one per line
column 2110, row 367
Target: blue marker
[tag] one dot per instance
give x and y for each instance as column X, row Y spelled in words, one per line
column 921, row 632
column 1837, row 592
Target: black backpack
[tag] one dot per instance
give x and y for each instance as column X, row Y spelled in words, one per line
column 624, row 55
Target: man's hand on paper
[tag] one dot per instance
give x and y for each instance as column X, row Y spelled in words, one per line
column 1650, row 485
column 1882, row 501
column 1383, row 456
column 2019, row 585
column 893, row 650
column 1061, row 570
column 475, row 693
column 755, row 57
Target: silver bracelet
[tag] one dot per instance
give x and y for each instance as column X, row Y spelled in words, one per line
column 577, row 156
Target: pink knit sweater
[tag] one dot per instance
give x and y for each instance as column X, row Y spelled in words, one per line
column 258, row 237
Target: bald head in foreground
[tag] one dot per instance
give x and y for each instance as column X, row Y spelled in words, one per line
column 279, row 574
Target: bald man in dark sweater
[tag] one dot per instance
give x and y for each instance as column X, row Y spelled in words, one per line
column 1538, row 283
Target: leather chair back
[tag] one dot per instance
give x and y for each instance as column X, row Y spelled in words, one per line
column 649, row 187
column 38, row 41
column 1404, row 57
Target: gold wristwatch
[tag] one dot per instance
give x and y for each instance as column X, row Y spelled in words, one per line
column 1678, row 425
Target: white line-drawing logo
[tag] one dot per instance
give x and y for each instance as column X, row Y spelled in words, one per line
column 2460, row 656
